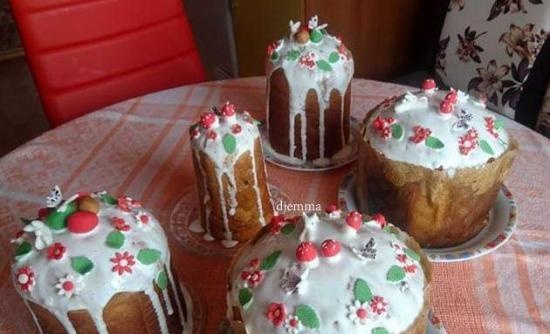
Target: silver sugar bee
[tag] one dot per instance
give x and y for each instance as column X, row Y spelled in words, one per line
column 464, row 118
column 367, row 252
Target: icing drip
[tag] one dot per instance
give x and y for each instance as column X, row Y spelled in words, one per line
column 157, row 306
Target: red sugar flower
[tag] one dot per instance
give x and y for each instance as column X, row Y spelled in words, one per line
column 253, row 278
column 56, row 251
column 212, row 135
column 378, row 305
column 490, row 126
column 382, row 126
column 411, row 268
column 123, row 262
column 24, row 277
column 401, row 258
column 207, row 119
column 254, row 263
column 420, row 134
column 307, row 60
column 236, row 128
column 276, row 224
column 276, row 313
column 468, row 142
column 126, row 203
column 120, row 224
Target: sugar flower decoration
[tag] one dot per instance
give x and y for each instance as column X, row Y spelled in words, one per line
column 358, row 312
column 68, row 286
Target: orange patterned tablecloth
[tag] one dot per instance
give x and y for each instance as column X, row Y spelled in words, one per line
column 140, row 147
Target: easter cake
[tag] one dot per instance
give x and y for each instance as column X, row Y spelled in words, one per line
column 93, row 263
column 433, row 162
column 329, row 273
column 308, row 95
column 234, row 197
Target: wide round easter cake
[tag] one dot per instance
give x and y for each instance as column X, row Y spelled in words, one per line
column 98, row 264
column 229, row 165
column 433, row 162
column 308, row 95
column 329, row 273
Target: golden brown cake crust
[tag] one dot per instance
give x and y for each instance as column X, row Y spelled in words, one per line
column 437, row 210
column 246, row 221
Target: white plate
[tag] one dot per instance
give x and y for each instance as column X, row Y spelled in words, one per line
column 434, row 326
column 502, row 223
column 308, row 166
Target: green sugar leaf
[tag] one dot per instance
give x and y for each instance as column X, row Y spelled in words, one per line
column 380, row 330
column 499, row 123
column 57, row 219
column 433, row 142
column 271, row 260
column 316, row 36
column 307, row 316
column 23, row 249
column 333, row 57
column 288, row 228
column 391, row 229
column 162, row 280
column 323, row 65
column 361, row 291
column 245, row 297
column 485, row 147
column 395, row 274
column 397, row 131
column 293, row 54
column 229, row 143
column 115, row 239
column 274, row 55
column 148, row 255
column 81, row 264
column 107, row 198
column 412, row 254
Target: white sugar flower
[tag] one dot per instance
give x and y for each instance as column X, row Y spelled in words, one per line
column 68, row 286
column 358, row 312
column 144, row 220
column 292, row 324
column 42, row 233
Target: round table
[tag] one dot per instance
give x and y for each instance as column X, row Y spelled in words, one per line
column 140, row 147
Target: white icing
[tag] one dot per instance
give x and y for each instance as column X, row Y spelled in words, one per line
column 94, row 289
column 423, row 109
column 327, row 287
column 224, row 163
column 303, row 78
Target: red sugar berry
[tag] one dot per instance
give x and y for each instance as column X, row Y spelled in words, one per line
column 428, row 84
column 306, row 252
column 380, row 219
column 228, row 109
column 331, row 208
column 446, row 107
column 354, row 220
column 82, row 222
column 452, row 96
column 207, row 119
column 236, row 128
column 330, row 248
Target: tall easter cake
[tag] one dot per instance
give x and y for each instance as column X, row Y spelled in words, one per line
column 329, row 273
column 229, row 165
column 308, row 94
column 433, row 162
column 98, row 264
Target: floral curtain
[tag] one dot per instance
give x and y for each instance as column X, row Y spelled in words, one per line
column 489, row 46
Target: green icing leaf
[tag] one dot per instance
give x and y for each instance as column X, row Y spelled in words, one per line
column 499, row 123
column 293, row 54
column 316, row 36
column 229, row 143
column 115, row 239
column 323, row 65
column 148, row 255
column 288, row 228
column 107, row 198
column 380, row 330
column 274, row 55
column 333, row 57
column 391, row 229
column 307, row 316
column 162, row 280
column 361, row 291
column 23, row 249
column 395, row 274
column 245, row 297
column 26, row 221
column 57, row 220
column 271, row 260
column 81, row 264
column 485, row 147
column 433, row 142
column 397, row 131
column 412, row 254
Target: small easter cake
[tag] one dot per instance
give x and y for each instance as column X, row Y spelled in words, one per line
column 329, row 273
column 308, row 95
column 229, row 165
column 433, row 162
column 93, row 263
